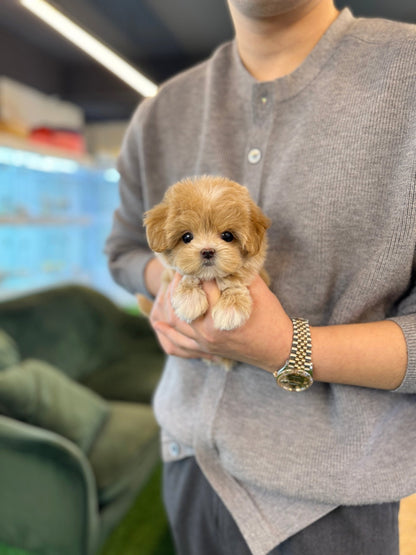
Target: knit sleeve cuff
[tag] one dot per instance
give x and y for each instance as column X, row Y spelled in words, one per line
column 408, row 326
column 128, row 271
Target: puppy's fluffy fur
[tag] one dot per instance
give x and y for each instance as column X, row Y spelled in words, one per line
column 208, row 228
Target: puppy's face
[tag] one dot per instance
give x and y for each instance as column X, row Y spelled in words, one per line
column 206, row 227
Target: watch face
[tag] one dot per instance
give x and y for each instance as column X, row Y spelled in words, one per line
column 295, row 380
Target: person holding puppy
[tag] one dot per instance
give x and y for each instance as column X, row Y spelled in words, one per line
column 314, row 111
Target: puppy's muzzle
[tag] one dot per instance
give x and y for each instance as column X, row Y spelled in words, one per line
column 207, row 254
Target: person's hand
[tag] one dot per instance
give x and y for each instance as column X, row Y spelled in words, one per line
column 263, row 341
column 153, row 276
column 174, row 335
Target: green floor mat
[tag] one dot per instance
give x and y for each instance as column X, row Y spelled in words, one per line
column 144, row 530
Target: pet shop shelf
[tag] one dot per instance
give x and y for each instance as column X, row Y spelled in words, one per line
column 24, row 109
column 55, row 214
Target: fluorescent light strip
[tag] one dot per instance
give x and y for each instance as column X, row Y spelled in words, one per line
column 91, row 46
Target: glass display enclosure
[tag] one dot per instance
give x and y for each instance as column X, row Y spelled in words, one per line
column 55, row 214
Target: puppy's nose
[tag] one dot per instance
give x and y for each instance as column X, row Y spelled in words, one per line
column 207, row 253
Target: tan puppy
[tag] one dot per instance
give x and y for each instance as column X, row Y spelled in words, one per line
column 208, row 228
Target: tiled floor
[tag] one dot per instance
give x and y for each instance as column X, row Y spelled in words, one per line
column 407, row 523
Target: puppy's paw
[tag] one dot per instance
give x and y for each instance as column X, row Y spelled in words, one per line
column 145, row 304
column 225, row 363
column 232, row 309
column 189, row 302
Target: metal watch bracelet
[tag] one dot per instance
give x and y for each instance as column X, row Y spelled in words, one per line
column 296, row 374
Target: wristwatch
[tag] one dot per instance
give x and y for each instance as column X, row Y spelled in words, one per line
column 296, row 374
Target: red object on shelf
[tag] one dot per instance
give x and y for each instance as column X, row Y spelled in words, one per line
column 60, row 138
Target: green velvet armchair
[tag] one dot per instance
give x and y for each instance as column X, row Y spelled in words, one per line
column 78, row 439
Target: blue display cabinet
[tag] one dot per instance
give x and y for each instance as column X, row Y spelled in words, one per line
column 55, row 214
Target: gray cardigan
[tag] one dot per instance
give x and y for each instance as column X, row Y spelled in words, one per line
column 336, row 174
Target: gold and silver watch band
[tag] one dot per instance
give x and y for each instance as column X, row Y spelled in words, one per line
column 296, row 374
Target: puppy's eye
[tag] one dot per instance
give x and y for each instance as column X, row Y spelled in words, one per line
column 227, row 236
column 187, row 237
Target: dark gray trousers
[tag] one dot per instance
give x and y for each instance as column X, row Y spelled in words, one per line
column 201, row 525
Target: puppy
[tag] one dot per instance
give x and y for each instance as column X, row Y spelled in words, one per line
column 208, row 228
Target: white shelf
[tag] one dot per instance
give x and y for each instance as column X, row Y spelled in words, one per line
column 27, row 220
column 20, row 143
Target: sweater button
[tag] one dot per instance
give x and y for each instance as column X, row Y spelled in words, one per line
column 174, row 449
column 254, row 156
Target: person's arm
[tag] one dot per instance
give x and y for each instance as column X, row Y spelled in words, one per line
column 126, row 246
column 368, row 355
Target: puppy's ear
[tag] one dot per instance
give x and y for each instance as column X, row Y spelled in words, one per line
column 259, row 223
column 155, row 222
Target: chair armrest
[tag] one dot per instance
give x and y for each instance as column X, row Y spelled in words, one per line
column 48, row 501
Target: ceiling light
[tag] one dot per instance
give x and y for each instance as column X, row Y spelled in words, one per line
column 91, row 46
